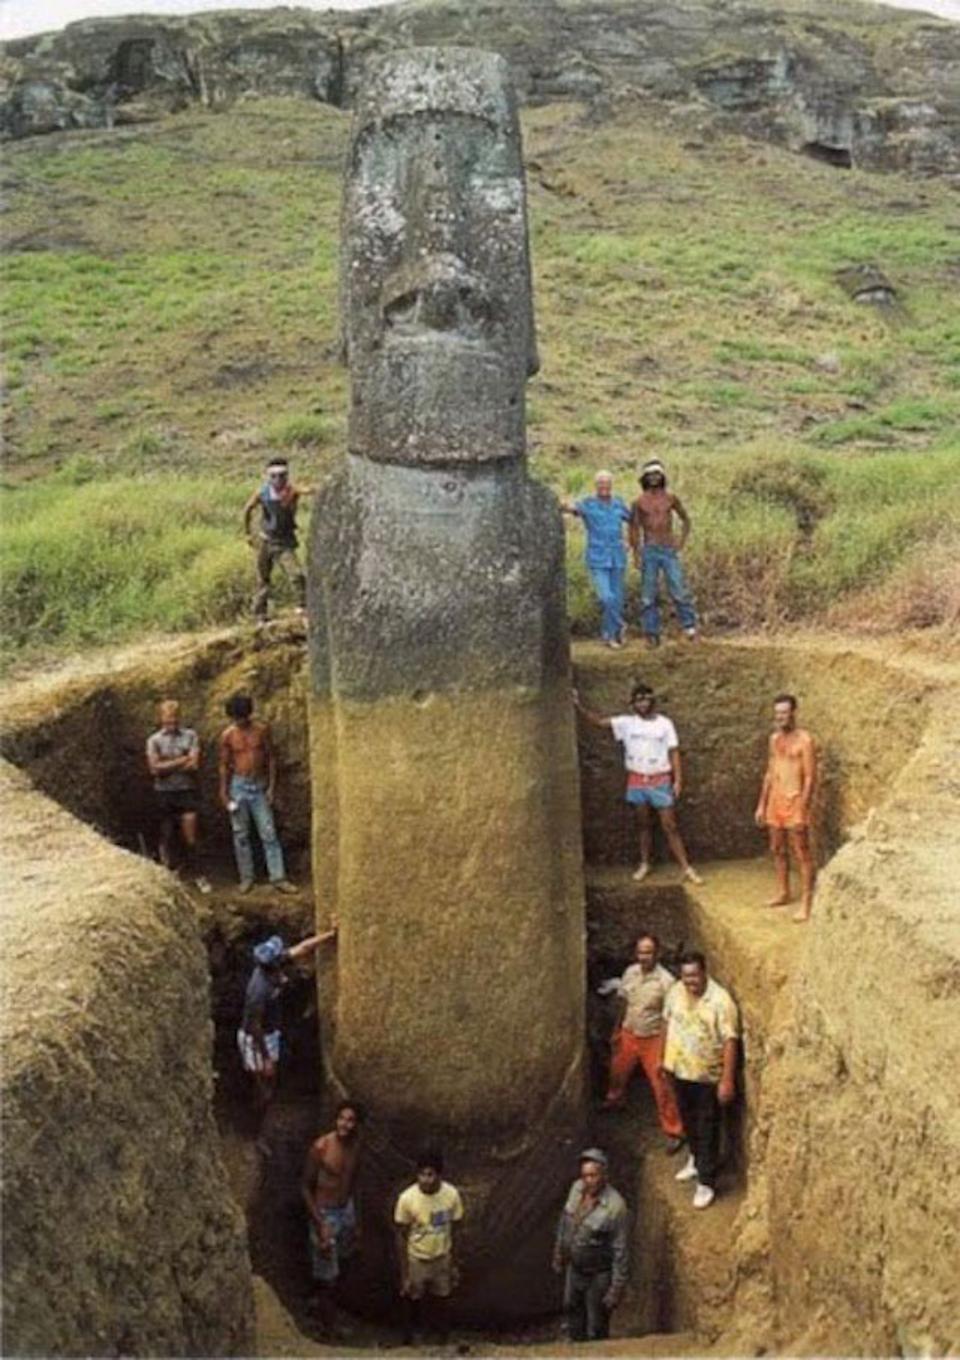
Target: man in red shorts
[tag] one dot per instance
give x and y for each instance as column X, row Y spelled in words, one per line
column 651, row 753
column 784, row 803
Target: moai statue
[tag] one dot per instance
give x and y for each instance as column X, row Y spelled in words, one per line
column 446, row 834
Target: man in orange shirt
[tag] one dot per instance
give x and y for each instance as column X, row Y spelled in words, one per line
column 785, row 799
column 248, row 774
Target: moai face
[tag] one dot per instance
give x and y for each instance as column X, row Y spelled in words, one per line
column 435, row 275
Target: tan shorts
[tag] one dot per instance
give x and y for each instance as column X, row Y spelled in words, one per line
column 431, row 1277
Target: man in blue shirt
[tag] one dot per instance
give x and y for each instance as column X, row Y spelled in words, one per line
column 603, row 516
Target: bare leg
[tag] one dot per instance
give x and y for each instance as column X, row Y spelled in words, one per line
column 800, row 845
column 166, row 842
column 668, row 820
column 646, row 834
column 188, row 835
column 778, row 848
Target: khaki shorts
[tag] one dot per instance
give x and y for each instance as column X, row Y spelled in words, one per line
column 431, row 1277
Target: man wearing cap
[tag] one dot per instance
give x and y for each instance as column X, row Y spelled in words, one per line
column 603, row 517
column 657, row 549
column 591, row 1248
column 258, row 1037
column 276, row 546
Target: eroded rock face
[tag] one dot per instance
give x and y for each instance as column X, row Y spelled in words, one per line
column 120, row 1235
column 446, row 811
column 874, row 85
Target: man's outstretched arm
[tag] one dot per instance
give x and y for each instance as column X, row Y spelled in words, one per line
column 588, row 714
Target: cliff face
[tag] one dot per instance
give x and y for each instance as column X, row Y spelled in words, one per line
column 851, row 83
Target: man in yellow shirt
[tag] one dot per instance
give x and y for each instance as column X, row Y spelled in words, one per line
column 425, row 1219
column 700, row 1053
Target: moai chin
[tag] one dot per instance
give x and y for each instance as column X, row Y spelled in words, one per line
column 445, row 793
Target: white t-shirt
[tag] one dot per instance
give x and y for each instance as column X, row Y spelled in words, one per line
column 647, row 742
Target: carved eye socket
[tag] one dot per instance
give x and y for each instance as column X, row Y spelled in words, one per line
column 401, row 309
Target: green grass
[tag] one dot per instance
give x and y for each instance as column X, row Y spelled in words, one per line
column 173, row 321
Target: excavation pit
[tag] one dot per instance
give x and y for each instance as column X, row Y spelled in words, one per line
column 812, row 1046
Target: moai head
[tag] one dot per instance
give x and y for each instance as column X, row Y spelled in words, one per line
column 436, row 301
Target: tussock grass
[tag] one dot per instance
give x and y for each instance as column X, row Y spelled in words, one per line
column 104, row 560
column 170, row 320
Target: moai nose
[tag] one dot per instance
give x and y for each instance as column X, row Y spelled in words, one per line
column 439, row 304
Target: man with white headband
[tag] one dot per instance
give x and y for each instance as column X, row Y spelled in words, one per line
column 657, row 549
column 603, row 517
column 276, row 545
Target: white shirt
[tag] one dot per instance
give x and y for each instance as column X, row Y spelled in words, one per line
column 647, row 742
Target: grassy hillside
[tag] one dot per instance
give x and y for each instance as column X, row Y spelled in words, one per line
column 170, row 299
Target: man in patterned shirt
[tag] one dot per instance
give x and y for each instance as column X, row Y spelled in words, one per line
column 701, row 1056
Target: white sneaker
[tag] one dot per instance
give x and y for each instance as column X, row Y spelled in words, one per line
column 703, row 1197
column 687, row 1172
column 641, row 872
column 691, row 876
column 203, row 884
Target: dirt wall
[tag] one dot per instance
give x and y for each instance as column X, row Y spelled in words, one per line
column 120, row 1236
column 861, row 1193
column 81, row 735
column 720, row 697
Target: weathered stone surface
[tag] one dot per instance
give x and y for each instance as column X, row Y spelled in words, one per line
column 120, row 1236
column 874, row 86
column 443, row 761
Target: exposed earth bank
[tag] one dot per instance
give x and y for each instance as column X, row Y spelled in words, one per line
column 837, row 1231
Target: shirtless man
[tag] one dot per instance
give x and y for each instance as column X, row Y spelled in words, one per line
column 784, row 803
column 327, row 1189
column 248, row 775
column 656, row 549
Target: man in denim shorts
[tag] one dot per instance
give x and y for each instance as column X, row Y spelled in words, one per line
column 654, row 772
column 327, row 1189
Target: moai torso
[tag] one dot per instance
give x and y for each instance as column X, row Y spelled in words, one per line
column 446, row 802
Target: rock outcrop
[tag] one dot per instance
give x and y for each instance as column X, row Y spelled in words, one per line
column 443, row 758
column 852, row 83
column 120, row 1236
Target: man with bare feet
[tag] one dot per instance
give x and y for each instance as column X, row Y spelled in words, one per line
column 173, row 759
column 657, row 549
column 654, row 772
column 248, row 777
column 603, row 517
column 592, row 1250
column 638, row 1036
column 327, row 1189
column 784, row 804
column 426, row 1219
column 258, row 1037
column 700, row 1054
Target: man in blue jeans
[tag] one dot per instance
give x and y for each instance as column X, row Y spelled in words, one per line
column 604, row 516
column 248, row 774
column 657, row 549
